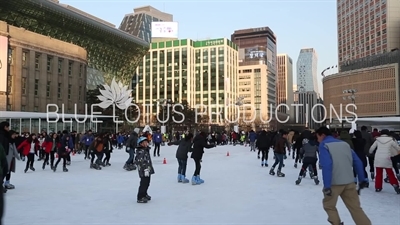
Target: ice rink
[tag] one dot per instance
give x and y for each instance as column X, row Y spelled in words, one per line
column 237, row 190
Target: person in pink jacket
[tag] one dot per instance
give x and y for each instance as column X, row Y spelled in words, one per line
column 385, row 149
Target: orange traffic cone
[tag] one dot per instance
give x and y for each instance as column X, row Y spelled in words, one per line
column 164, row 161
column 227, row 153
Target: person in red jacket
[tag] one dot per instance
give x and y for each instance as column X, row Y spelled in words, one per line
column 29, row 148
column 51, row 145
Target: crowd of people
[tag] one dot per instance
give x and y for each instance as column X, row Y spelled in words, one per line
column 343, row 157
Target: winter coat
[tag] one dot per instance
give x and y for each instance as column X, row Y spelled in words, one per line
column 185, row 146
column 199, row 143
column 4, row 138
column 345, row 136
column 359, row 146
column 369, row 140
column 157, row 138
column 385, row 149
column 120, row 139
column 48, row 145
column 280, row 145
column 132, row 140
column 87, row 139
column 252, row 136
column 143, row 161
column 107, row 145
column 65, row 147
column 25, row 147
column 263, row 141
column 12, row 154
column 309, row 149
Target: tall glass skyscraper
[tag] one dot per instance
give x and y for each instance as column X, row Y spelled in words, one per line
column 307, row 70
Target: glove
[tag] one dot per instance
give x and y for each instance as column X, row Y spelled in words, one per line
column 327, row 191
column 146, row 173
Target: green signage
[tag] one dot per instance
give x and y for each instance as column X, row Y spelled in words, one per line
column 211, row 42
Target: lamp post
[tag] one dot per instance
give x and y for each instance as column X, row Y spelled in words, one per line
column 350, row 95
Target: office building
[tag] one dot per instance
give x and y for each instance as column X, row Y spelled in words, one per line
column 39, row 73
column 257, row 50
column 367, row 28
column 376, row 82
column 139, row 22
column 308, row 114
column 199, row 72
column 284, row 83
column 307, row 70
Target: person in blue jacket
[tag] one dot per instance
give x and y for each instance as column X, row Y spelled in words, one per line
column 252, row 140
column 87, row 140
column 157, row 139
column 337, row 161
column 120, row 140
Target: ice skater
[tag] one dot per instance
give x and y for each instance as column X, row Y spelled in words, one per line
column 145, row 169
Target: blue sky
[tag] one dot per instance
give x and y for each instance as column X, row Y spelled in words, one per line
column 297, row 23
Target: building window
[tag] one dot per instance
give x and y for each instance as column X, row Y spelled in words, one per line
column 22, row 108
column 37, row 61
column 384, row 31
column 80, row 70
column 257, row 70
column 49, row 60
column 24, row 59
column 59, row 90
column 35, row 109
column 80, row 93
column 10, row 56
column 36, row 86
column 70, row 65
column 60, row 61
column 23, row 85
column 69, row 91
column 48, row 88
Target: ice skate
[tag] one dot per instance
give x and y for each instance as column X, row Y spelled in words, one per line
column 44, row 166
column 184, row 179
column 272, row 172
column 142, row 200
column 200, row 180
column 295, row 165
column 65, row 169
column 25, row 170
column 108, row 164
column 386, row 180
column 372, row 175
column 148, row 197
column 54, row 169
column 7, row 185
column 378, row 189
column 32, row 168
column 179, row 178
column 396, row 189
column 298, row 181
column 194, row 180
column 316, row 181
column 258, row 157
column 280, row 174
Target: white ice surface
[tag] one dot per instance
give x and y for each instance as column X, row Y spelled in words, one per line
column 237, row 190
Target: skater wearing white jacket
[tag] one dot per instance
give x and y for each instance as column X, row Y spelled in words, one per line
column 385, row 149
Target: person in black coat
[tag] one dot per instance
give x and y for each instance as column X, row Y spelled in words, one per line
column 63, row 152
column 185, row 146
column 263, row 144
column 359, row 145
column 108, row 148
column 199, row 143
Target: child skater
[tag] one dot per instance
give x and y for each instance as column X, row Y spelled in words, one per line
column 144, row 168
column 309, row 150
column 185, row 146
column 30, row 148
column 96, row 149
column 63, row 152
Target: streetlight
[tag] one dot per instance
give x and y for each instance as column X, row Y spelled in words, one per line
column 350, row 95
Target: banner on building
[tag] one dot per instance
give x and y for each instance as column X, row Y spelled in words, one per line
column 256, row 52
column 3, row 63
column 164, row 30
